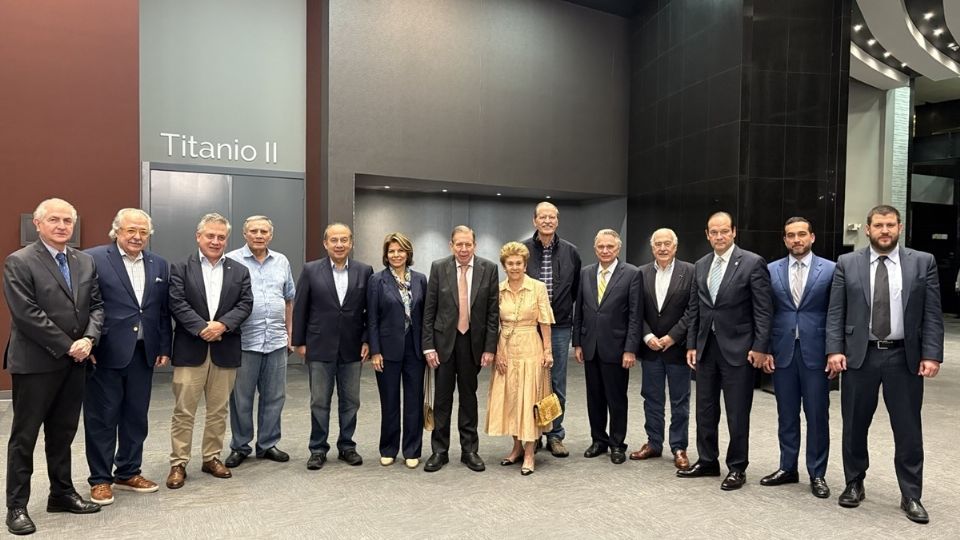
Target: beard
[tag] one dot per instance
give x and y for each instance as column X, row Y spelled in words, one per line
column 894, row 240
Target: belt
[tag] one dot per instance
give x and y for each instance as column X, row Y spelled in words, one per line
column 883, row 344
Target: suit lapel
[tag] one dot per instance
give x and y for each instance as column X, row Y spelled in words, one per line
column 907, row 272
column 149, row 276
column 592, row 285
column 195, row 274
column 326, row 276
column 453, row 277
column 782, row 275
column 116, row 261
column 864, row 274
column 227, row 281
column 703, row 276
column 675, row 280
column 392, row 288
column 475, row 283
column 74, row 265
column 51, row 265
column 732, row 266
column 816, row 266
column 614, row 279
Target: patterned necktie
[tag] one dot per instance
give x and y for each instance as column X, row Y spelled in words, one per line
column 463, row 321
column 64, row 269
column 881, row 300
column 602, row 286
column 716, row 275
column 796, row 287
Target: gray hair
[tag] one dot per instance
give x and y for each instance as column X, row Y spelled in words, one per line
column 251, row 219
column 41, row 210
column 119, row 218
column 608, row 232
column 213, row 217
column 545, row 204
column 463, row 229
column 673, row 235
column 337, row 224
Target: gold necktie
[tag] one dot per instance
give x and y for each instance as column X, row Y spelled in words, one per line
column 602, row 286
column 463, row 321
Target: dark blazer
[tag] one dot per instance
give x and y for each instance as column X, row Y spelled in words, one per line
column 741, row 315
column 566, row 275
column 669, row 319
column 810, row 317
column 328, row 329
column 613, row 327
column 386, row 316
column 123, row 316
column 45, row 316
column 848, row 317
column 441, row 308
column 188, row 304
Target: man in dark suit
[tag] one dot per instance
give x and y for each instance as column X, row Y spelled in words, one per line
column 136, row 337
column 666, row 293
column 801, row 293
column 56, row 314
column 884, row 327
column 607, row 325
column 727, row 337
column 461, row 319
column 210, row 297
column 330, row 332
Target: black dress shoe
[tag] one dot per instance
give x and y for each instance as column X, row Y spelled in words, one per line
column 19, row 522
column 779, row 478
column 472, row 461
column 618, row 456
column 436, row 462
column 506, row 462
column 72, row 503
column 316, row 461
column 819, row 488
column 700, row 469
column 734, row 480
column 911, row 507
column 351, row 457
column 852, row 495
column 235, row 458
column 595, row 449
column 273, row 454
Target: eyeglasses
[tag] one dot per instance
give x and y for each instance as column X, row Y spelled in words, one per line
column 132, row 231
column 664, row 244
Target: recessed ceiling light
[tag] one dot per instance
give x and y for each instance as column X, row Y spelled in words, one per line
column 903, row 64
column 443, row 190
column 886, row 54
column 927, row 16
column 498, row 194
column 938, row 31
column 857, row 27
column 871, row 42
column 386, row 187
column 953, row 46
column 546, row 196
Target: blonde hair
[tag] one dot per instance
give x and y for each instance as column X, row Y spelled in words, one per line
column 511, row 249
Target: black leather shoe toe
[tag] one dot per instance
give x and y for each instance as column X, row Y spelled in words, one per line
column 73, row 503
column 436, row 462
column 472, row 461
column 594, row 450
column 19, row 522
column 914, row 510
column 274, row 454
column 819, row 488
column 779, row 478
column 617, row 457
column 316, row 461
column 351, row 457
column 734, row 480
column 235, row 459
column 700, row 469
column 852, row 495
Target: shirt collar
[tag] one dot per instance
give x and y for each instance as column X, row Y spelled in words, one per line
column 610, row 269
column 893, row 256
column 247, row 254
column 806, row 259
column 669, row 267
column 204, row 260
column 726, row 254
column 53, row 251
column 123, row 254
column 556, row 239
column 346, row 265
column 469, row 264
column 527, row 284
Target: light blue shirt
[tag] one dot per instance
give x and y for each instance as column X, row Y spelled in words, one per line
column 265, row 330
column 341, row 278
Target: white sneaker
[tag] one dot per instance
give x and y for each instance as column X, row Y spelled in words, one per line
column 412, row 463
column 386, row 461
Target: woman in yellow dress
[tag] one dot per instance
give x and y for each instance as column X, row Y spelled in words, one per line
column 524, row 358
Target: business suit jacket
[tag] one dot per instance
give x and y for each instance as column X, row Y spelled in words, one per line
column 46, row 316
column 188, row 304
column 668, row 320
column 848, row 317
column 328, row 329
column 441, row 308
column 124, row 317
column 742, row 313
column 386, row 316
column 810, row 317
column 613, row 326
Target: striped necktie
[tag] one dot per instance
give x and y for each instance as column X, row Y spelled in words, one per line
column 716, row 275
column 602, row 286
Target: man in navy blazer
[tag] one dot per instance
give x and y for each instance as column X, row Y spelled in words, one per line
column 607, row 327
column 890, row 336
column 330, row 332
column 136, row 336
column 801, row 293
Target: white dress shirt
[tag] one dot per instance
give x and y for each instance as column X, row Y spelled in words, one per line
column 895, row 279
column 661, row 286
column 341, row 278
column 212, row 282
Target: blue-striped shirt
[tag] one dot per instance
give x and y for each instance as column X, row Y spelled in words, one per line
column 272, row 283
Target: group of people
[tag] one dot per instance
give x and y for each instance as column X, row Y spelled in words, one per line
column 88, row 327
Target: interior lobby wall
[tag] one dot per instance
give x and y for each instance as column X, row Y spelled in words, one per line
column 865, row 156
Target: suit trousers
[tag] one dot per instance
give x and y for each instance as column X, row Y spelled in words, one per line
column 457, row 372
column 51, row 399
column 265, row 373
column 793, row 385
column 560, row 342
column 716, row 374
column 657, row 376
column 190, row 383
column 903, row 396
column 408, row 374
column 115, row 409
column 323, row 375
column 607, row 393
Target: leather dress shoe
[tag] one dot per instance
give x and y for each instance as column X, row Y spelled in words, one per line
column 235, row 458
column 472, row 461
column 72, row 503
column 819, row 488
column 645, row 452
column 177, row 476
column 734, row 480
column 618, row 456
column 351, row 457
column 914, row 510
column 700, row 469
column 19, row 522
column 316, row 461
column 680, row 460
column 275, row 454
column 436, row 461
column 779, row 478
column 216, row 468
column 852, row 495
column 595, row 449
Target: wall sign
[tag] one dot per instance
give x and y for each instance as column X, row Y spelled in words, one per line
column 188, row 147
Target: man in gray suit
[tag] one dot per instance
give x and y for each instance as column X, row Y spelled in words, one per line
column 884, row 327
column 56, row 314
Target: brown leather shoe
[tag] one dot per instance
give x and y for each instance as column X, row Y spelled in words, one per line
column 136, row 483
column 101, row 494
column 216, row 468
column 177, row 476
column 680, row 460
column 645, row 452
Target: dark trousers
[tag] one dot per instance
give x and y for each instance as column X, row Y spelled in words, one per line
column 657, row 375
column 52, row 399
column 408, row 373
column 323, row 375
column 715, row 374
column 115, row 410
column 794, row 385
column 460, row 372
column 607, row 393
column 903, row 396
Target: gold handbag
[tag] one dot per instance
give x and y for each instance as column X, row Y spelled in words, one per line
column 547, row 409
column 428, row 400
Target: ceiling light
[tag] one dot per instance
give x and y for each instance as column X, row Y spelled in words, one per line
column 443, row 190
column 498, row 194
column 386, row 187
column 871, row 42
column 953, row 47
column 927, row 16
column 938, row 31
column 857, row 27
column 903, row 64
column 886, row 54
column 546, row 196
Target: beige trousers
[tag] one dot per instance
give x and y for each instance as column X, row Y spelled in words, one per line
column 212, row 382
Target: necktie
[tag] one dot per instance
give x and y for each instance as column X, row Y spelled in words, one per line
column 796, row 287
column 716, row 275
column 602, row 286
column 463, row 321
column 64, row 269
column 881, row 300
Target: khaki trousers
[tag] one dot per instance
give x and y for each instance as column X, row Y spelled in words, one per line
column 212, row 382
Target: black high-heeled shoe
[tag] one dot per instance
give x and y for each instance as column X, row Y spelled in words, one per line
column 506, row 462
column 525, row 471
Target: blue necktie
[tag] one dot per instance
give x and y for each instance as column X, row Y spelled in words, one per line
column 64, row 269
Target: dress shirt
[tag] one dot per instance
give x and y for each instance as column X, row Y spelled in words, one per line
column 341, row 278
column 212, row 282
column 138, row 278
column 895, row 275
column 265, row 330
column 609, row 269
column 53, row 252
column 725, row 257
column 804, row 275
column 661, row 286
